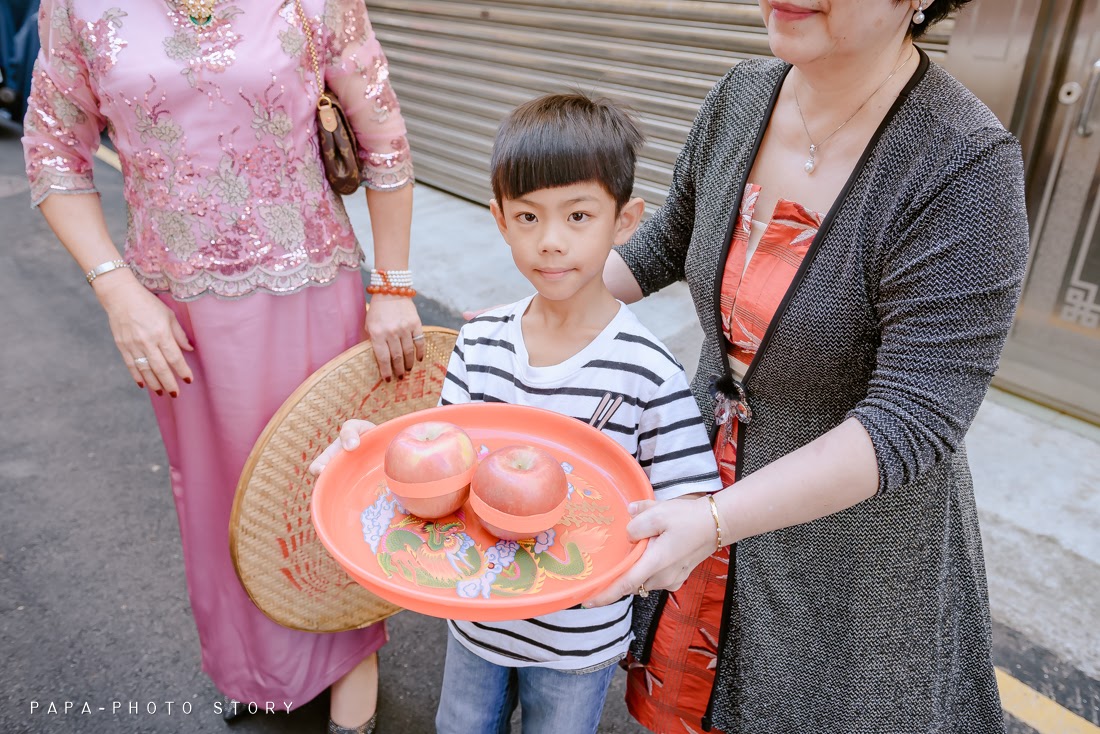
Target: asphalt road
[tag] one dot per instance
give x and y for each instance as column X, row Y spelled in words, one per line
column 95, row 630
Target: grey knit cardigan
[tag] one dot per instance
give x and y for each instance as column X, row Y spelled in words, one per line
column 874, row 619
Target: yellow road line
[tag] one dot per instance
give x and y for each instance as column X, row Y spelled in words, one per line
column 1039, row 712
column 109, row 157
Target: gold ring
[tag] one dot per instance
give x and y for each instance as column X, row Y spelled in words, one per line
column 642, row 592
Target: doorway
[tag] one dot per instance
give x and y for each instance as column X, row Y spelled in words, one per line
column 1053, row 351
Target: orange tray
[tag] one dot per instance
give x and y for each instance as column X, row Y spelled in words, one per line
column 452, row 567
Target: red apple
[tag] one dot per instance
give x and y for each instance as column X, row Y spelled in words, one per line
column 518, row 492
column 419, row 462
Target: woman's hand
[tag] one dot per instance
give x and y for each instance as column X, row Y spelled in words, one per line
column 682, row 535
column 348, row 441
column 146, row 332
column 394, row 328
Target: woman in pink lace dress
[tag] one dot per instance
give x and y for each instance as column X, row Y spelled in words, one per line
column 240, row 273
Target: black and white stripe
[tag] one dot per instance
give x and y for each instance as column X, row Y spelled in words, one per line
column 626, row 381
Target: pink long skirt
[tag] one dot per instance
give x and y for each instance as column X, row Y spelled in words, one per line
column 250, row 354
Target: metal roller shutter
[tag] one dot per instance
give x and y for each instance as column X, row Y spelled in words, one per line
column 459, row 66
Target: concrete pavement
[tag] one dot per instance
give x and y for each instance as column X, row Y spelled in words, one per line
column 93, row 608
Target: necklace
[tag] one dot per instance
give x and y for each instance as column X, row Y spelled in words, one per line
column 811, row 162
column 201, row 12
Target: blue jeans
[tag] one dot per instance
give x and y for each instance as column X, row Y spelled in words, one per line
column 478, row 697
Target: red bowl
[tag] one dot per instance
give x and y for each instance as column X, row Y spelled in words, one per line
column 434, row 506
column 507, row 526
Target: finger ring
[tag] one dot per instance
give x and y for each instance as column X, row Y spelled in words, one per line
column 418, row 338
column 642, row 592
column 141, row 361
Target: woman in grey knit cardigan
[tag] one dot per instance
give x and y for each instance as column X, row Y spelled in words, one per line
column 851, row 223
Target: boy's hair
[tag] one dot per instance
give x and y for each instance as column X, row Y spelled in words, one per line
column 562, row 139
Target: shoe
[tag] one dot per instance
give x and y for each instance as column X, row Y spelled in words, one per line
column 367, row 728
column 232, row 709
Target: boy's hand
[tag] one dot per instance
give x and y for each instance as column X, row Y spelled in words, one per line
column 348, row 441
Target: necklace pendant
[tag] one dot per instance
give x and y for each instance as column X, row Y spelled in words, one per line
column 810, row 163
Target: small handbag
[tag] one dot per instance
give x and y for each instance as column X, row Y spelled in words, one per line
column 339, row 148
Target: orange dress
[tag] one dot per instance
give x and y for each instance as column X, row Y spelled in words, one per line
column 669, row 694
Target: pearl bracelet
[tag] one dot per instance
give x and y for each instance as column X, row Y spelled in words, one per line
column 391, row 277
column 391, row 283
column 102, row 268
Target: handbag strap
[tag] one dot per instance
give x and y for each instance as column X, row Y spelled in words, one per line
column 312, row 49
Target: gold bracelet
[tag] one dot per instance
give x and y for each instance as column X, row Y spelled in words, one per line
column 717, row 523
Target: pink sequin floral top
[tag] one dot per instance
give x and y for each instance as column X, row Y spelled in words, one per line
column 214, row 127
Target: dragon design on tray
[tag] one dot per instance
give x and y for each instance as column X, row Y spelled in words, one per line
column 442, row 554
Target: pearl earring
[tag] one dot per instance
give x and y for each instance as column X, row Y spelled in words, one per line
column 918, row 17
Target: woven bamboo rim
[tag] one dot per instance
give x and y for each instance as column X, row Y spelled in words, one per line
column 280, row 561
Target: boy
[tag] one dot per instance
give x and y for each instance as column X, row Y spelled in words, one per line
column 562, row 175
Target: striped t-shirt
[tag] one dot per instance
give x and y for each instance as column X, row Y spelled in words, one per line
column 625, row 380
